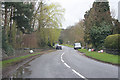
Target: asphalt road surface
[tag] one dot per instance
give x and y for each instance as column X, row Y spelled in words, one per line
column 69, row 63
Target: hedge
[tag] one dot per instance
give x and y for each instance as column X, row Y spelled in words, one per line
column 112, row 41
column 112, row 44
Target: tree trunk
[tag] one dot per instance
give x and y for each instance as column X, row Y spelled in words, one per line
column 34, row 17
column 11, row 15
column 5, row 22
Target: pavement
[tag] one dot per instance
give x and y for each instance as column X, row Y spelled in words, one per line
column 69, row 63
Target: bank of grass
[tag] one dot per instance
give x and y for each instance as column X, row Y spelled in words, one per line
column 17, row 59
column 68, row 45
column 114, row 59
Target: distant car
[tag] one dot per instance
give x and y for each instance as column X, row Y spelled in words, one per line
column 58, row 47
column 77, row 46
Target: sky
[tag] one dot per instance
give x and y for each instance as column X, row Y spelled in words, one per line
column 75, row 9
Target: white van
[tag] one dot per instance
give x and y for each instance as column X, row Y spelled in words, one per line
column 77, row 46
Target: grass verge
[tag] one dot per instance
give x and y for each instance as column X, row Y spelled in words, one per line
column 105, row 57
column 68, row 45
column 17, row 59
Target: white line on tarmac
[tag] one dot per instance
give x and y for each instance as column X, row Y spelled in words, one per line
column 78, row 73
column 81, row 76
column 67, row 65
column 62, row 60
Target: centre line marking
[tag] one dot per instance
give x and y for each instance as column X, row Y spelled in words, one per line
column 72, row 69
column 62, row 60
column 67, row 65
column 77, row 73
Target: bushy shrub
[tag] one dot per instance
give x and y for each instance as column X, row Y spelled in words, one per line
column 9, row 50
column 112, row 41
column 99, row 33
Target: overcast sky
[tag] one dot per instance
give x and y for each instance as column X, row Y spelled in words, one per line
column 75, row 9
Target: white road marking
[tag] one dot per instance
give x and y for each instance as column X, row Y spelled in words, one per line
column 72, row 69
column 67, row 65
column 62, row 60
column 78, row 73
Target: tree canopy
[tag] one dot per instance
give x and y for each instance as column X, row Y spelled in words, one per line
column 22, row 18
column 49, row 22
column 97, row 15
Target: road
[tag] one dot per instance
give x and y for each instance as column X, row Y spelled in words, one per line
column 69, row 63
